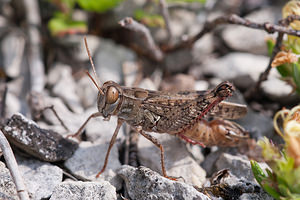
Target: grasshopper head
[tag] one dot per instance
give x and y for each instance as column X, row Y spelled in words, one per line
column 224, row 89
column 110, row 94
column 109, row 100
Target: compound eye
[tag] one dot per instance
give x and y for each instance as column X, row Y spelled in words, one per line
column 112, row 95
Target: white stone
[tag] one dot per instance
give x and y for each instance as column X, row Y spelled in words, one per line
column 142, row 184
column 40, row 177
column 236, row 64
column 250, row 40
column 178, row 161
column 88, row 160
column 79, row 190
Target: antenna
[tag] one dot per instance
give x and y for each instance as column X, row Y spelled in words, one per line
column 93, row 67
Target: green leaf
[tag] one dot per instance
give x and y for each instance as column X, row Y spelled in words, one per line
column 188, row 1
column 270, row 46
column 257, row 171
column 65, row 6
column 151, row 20
column 292, row 43
column 69, row 3
column 269, row 151
column 296, row 76
column 61, row 26
column 285, row 70
column 287, row 193
column 100, row 6
column 271, row 191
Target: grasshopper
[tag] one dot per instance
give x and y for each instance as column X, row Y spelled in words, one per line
column 156, row 111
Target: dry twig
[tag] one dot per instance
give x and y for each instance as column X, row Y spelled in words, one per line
column 264, row 75
column 13, row 167
column 165, row 13
column 133, row 25
column 37, row 105
column 3, row 92
column 234, row 19
column 56, row 115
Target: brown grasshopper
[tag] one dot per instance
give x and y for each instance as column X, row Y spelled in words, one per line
column 156, row 111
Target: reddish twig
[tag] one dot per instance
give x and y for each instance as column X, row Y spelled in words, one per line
column 234, row 19
column 165, row 13
column 133, row 25
column 13, row 167
column 264, row 75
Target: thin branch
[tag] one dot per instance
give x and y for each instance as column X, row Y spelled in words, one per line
column 133, row 25
column 36, row 65
column 13, row 167
column 289, row 19
column 234, row 19
column 264, row 75
column 3, row 92
column 165, row 13
column 56, row 115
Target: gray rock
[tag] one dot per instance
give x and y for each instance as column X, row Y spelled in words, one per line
column 12, row 48
column 279, row 91
column 64, row 86
column 148, row 84
column 258, row 195
column 109, row 59
column 230, row 6
column 179, row 82
column 87, row 92
column 72, row 120
column 209, row 162
column 16, row 96
column 201, row 85
column 195, row 151
column 12, row 104
column 142, row 183
column 99, row 128
column 245, row 39
column 178, row 61
column 257, row 124
column 238, row 165
column 7, row 186
column 236, row 64
column 203, row 47
column 79, row 52
column 131, row 72
column 3, row 22
column 88, row 160
column 178, row 161
column 41, row 143
column 84, row 190
column 40, row 177
column 227, row 186
column 183, row 23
